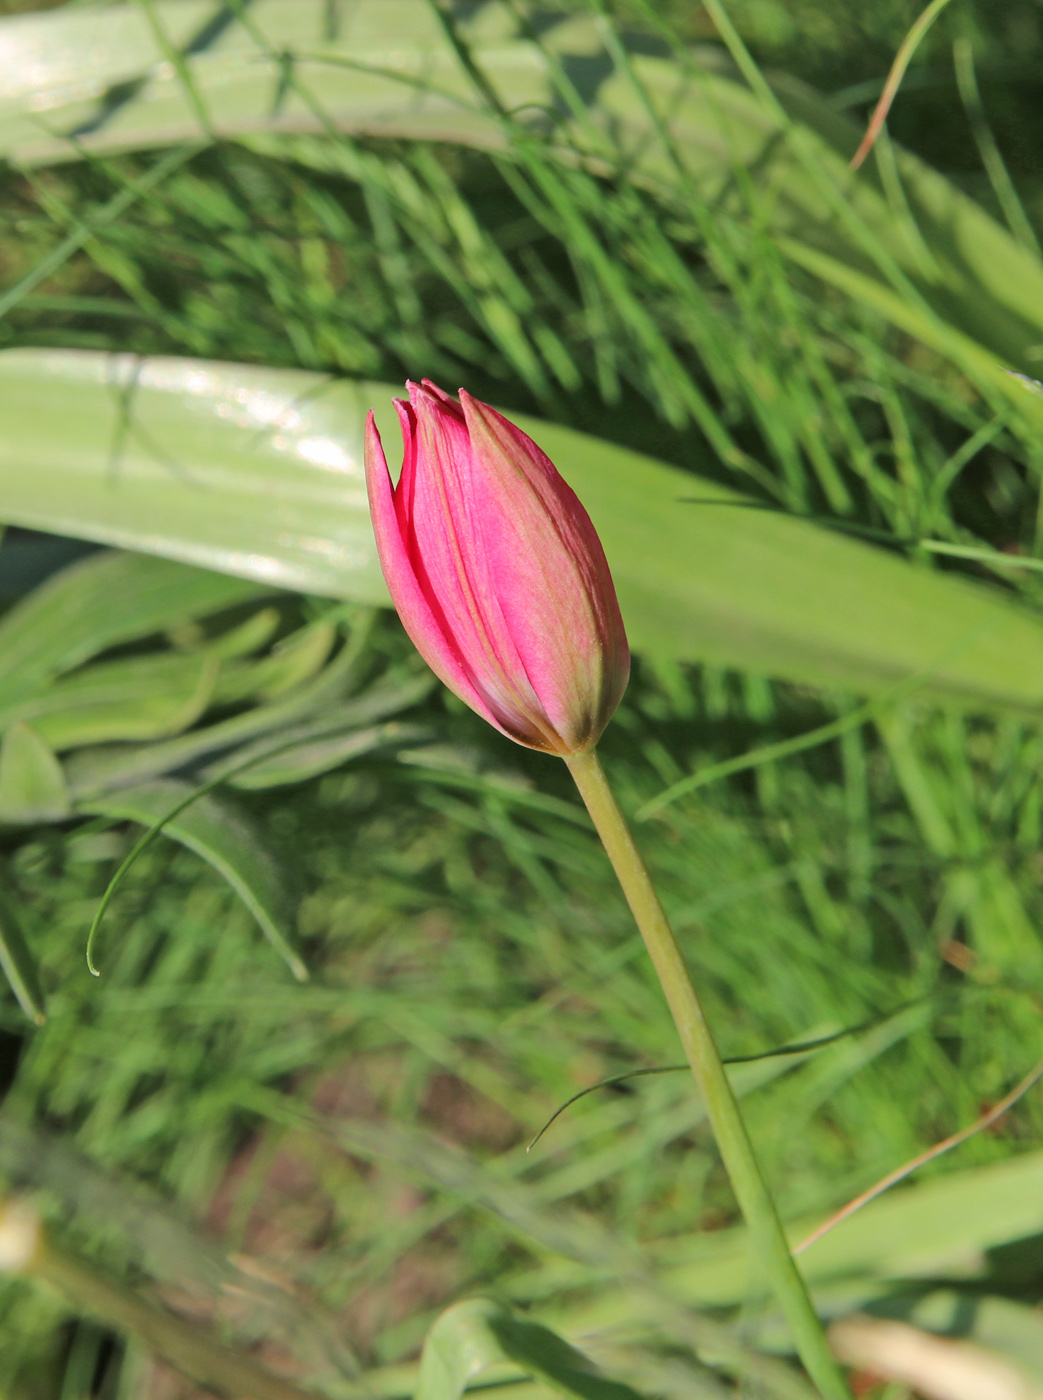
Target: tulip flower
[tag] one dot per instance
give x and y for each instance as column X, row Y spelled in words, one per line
column 497, row 573
column 501, row 581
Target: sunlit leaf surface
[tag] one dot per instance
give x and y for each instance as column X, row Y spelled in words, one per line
column 258, row 473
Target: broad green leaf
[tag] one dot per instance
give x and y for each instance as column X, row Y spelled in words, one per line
column 94, row 772
column 246, row 638
column 32, row 785
column 458, row 1348
column 220, row 833
column 473, row 1336
column 928, row 1230
column 932, row 1230
column 142, row 697
column 386, row 67
column 296, row 762
column 18, row 963
column 101, row 601
column 260, row 472
column 270, row 485
column 290, row 664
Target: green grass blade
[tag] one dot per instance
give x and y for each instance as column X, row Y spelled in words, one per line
column 391, row 70
column 18, row 963
column 221, row 834
column 295, row 763
column 903, row 58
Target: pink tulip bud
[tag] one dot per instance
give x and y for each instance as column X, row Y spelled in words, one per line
column 497, row 573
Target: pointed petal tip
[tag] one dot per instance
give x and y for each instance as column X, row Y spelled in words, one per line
column 373, row 457
column 481, row 409
column 428, row 391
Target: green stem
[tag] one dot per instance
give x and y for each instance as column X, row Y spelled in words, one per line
column 721, row 1106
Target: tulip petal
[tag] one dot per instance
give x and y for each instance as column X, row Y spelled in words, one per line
column 407, row 477
column 497, row 572
column 446, row 400
column 444, row 541
column 553, row 582
column 425, row 631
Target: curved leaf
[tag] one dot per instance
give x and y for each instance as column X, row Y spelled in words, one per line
column 261, row 475
column 296, row 762
column 292, row 662
column 101, row 601
column 32, row 784
column 318, row 710
column 223, row 836
column 145, row 697
column 470, row 1337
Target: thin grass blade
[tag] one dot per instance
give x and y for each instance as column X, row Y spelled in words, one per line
column 223, row 836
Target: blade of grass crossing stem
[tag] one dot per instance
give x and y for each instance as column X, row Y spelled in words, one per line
column 903, row 58
column 701, row 1052
column 799, row 1047
column 921, row 1159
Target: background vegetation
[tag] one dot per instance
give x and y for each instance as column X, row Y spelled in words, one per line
column 317, row 1169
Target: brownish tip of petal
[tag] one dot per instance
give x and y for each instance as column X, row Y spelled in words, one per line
column 429, row 390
